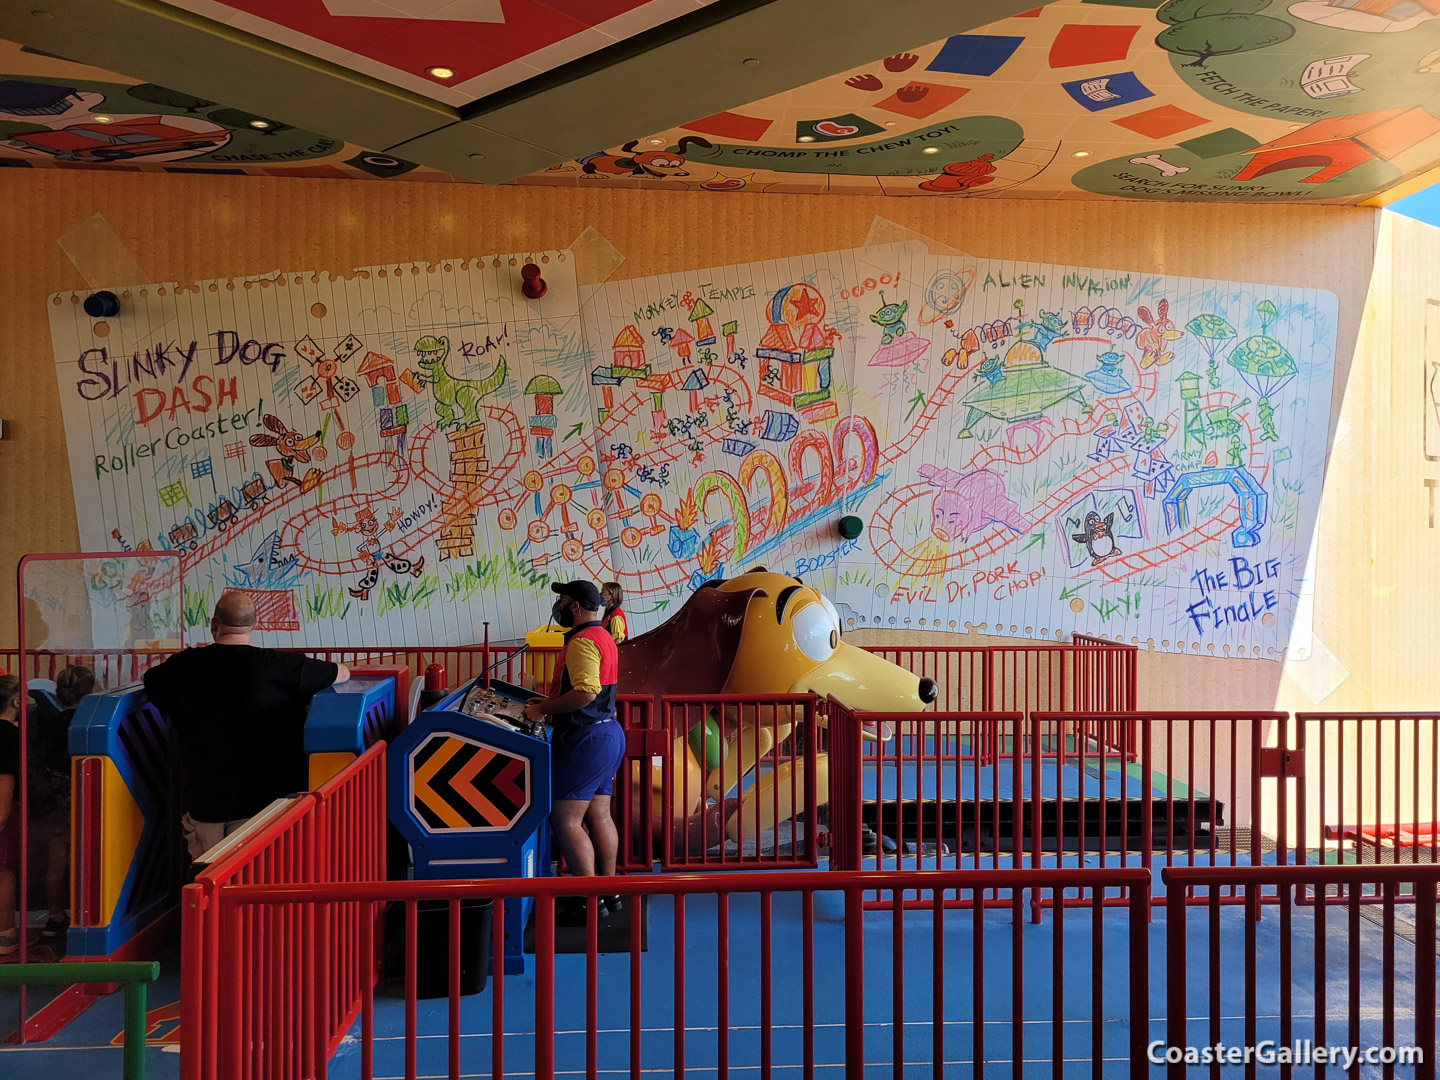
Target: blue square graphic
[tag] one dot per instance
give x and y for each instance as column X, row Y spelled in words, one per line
column 974, row 54
column 1106, row 91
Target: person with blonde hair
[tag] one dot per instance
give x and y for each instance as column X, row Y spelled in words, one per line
column 615, row 624
column 239, row 714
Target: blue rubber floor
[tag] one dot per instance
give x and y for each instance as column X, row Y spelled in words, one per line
column 86, row 1049
column 702, row 1019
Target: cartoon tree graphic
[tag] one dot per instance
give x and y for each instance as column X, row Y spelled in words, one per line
column 1208, row 28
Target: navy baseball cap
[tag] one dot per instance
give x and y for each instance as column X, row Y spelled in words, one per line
column 583, row 591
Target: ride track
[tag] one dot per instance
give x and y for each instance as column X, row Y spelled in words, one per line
column 894, row 555
column 787, row 505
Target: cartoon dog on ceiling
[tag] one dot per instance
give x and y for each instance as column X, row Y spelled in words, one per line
column 756, row 634
column 656, row 164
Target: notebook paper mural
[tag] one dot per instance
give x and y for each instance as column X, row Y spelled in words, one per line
column 1030, row 450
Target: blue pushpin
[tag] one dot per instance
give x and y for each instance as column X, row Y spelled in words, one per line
column 102, row 305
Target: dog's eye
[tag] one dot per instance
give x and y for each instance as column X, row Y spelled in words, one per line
column 814, row 632
column 833, row 613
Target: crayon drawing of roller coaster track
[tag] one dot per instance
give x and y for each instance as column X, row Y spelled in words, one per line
column 405, row 453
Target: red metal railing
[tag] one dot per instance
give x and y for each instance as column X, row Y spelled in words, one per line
column 350, row 822
column 1195, row 799
column 1090, row 675
column 635, row 798
column 1367, row 787
column 113, row 668
column 1275, row 971
column 1104, row 675
column 723, row 814
column 1066, row 792
column 936, row 788
column 123, row 667
column 332, row 835
column 763, row 990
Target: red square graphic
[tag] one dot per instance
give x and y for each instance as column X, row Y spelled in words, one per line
column 1078, row 43
column 729, row 125
column 920, row 100
column 1158, row 123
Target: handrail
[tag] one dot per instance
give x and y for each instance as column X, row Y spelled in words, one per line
column 131, row 974
column 1302, row 874
column 685, row 884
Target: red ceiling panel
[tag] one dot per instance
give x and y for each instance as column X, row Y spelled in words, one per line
column 487, row 44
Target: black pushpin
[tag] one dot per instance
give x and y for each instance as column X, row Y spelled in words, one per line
column 851, row 527
column 534, row 286
column 102, row 305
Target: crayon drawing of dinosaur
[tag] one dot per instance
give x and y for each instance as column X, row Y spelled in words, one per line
column 457, row 401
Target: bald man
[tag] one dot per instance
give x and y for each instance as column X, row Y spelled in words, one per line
column 239, row 712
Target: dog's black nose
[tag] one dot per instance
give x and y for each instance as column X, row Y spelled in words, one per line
column 928, row 690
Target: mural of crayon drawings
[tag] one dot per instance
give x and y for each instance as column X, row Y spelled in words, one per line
column 1021, row 443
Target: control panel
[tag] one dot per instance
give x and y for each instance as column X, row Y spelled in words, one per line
column 499, row 703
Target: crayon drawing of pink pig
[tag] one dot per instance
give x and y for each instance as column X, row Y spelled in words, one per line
column 969, row 501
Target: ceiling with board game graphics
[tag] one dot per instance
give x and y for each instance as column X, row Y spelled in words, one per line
column 1332, row 101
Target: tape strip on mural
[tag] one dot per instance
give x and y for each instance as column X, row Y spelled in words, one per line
column 938, row 442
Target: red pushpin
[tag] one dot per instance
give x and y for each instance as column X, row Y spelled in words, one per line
column 534, row 287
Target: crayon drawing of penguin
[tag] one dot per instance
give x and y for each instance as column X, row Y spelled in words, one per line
column 1098, row 539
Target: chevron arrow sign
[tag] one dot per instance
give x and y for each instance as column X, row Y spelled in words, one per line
column 462, row 786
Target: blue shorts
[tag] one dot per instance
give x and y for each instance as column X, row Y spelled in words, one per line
column 584, row 761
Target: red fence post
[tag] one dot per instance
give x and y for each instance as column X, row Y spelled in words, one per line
column 1036, row 746
column 1424, row 980
column 854, row 985
column 193, row 910
column 1140, row 906
column 1176, row 970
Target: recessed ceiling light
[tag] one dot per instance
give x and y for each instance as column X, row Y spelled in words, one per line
column 261, row 124
column 440, row 73
column 752, row 62
column 931, row 150
column 1081, row 153
column 806, row 138
column 656, row 142
column 889, row 123
column 103, row 119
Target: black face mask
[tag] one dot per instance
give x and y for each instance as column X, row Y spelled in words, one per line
column 562, row 614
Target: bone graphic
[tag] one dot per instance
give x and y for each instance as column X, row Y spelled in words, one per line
column 1155, row 161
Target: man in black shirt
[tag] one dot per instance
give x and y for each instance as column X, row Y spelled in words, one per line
column 239, row 713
